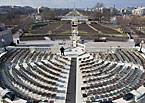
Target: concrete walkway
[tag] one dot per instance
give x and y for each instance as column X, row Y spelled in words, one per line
column 71, row 90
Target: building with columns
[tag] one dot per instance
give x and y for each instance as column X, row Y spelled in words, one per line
column 139, row 11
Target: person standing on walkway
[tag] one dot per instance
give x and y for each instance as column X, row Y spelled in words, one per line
column 18, row 42
column 62, row 50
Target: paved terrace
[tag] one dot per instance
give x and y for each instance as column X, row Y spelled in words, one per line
column 90, row 45
column 87, row 43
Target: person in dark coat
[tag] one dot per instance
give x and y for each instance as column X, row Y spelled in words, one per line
column 62, row 50
column 18, row 42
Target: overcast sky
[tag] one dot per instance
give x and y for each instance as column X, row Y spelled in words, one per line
column 70, row 3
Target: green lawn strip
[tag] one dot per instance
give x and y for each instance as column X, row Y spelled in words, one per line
column 56, row 22
column 125, row 35
column 143, row 32
column 69, row 32
column 30, row 29
column 144, row 27
column 83, row 32
column 53, row 22
column 49, row 32
column 118, row 29
column 104, row 23
column 30, row 34
column 12, row 25
column 66, row 32
column 137, row 28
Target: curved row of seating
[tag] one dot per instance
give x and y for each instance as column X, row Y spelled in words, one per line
column 25, row 55
column 36, row 75
column 20, row 88
column 90, row 65
column 108, row 80
column 125, row 56
column 100, row 77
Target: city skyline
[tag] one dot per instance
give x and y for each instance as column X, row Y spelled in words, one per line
column 70, row 3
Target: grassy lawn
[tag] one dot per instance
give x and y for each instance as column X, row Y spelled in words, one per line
column 144, row 29
column 65, row 32
column 30, row 29
column 137, row 28
column 125, row 35
column 53, row 22
column 12, row 25
column 83, row 32
column 95, row 29
column 118, row 29
column 69, row 32
column 49, row 32
column 104, row 23
column 30, row 34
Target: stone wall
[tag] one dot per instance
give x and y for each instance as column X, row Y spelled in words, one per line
column 7, row 36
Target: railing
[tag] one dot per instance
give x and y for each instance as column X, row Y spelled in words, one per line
column 81, row 45
column 140, row 99
column 5, row 32
column 50, row 49
column 2, row 25
column 104, row 49
column 88, row 49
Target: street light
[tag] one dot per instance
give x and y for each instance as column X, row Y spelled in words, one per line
column 142, row 42
column 3, row 41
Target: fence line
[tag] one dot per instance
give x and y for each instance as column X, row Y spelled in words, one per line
column 105, row 49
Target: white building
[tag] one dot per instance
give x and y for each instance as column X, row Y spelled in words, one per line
column 139, row 11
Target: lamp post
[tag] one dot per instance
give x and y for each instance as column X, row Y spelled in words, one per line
column 3, row 41
column 142, row 42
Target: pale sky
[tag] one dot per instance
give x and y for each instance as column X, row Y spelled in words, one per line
column 70, row 3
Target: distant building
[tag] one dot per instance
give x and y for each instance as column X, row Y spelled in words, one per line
column 110, row 10
column 6, row 35
column 87, row 9
column 116, row 17
column 105, row 10
column 113, row 10
column 38, row 18
column 140, row 11
column 127, row 10
column 3, row 12
column 74, row 15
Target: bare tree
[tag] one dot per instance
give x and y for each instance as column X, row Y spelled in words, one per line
column 99, row 12
column 96, row 16
column 98, row 5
